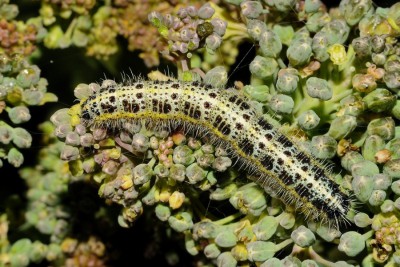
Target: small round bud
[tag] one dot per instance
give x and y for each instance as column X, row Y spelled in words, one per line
column 392, row 168
column 362, row 220
column 323, row 147
column 219, row 26
column 282, row 104
column 217, row 77
column 260, row 250
column 371, row 146
column 72, row 139
column 195, row 173
column 226, row 259
column 362, row 187
column 308, row 120
column 221, row 164
column 287, row 82
column 319, row 88
column 183, row 155
column 377, row 198
column 265, row 228
column 303, row 236
column 162, row 212
column 384, row 127
column 251, row 9
column 351, row 243
column 69, row 153
column 15, row 157
column 19, row 114
column 206, row 11
column 342, row 126
column 255, row 28
column 181, row 222
column 299, row 52
column 270, row 44
column 380, row 100
column 211, row 251
column 263, row 67
column 213, row 41
column 362, row 46
column 22, row 138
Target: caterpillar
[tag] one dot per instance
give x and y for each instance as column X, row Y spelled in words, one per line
column 275, row 162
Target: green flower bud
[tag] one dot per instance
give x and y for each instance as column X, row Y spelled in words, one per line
column 282, row 104
column 183, row 155
column 86, row 140
column 206, row 229
column 287, row 82
column 140, row 143
column 397, row 203
column 211, row 251
column 285, row 33
column 195, row 173
column 265, row 228
column 181, row 222
column 392, row 168
column 328, row 233
column 351, row 105
column 384, row 127
column 69, row 153
column 255, row 28
column 382, row 181
column 273, row 262
column 83, row 91
column 387, row 206
column 177, row 172
column 38, row 252
column 259, row 93
column 362, row 220
column 15, row 157
column 364, row 168
column 161, row 171
column 226, row 239
column 378, row 43
column 377, row 197
column 350, row 158
column 226, row 259
column 260, row 250
column 284, row 5
column 351, row 243
column 110, row 167
column 22, row 138
column 221, row 164
column 239, row 252
column 291, row 261
column 312, row 6
column 362, row 46
column 396, row 110
column 380, row 100
column 61, row 116
column 249, row 199
column 303, row 236
column 299, row 52
column 263, row 67
column 251, row 9
column 6, row 134
column 270, row 44
column 28, row 76
column 392, row 79
column 323, row 147
column 213, row 42
column 362, row 187
column 342, row 126
column 337, row 31
column 224, row 192
column 19, row 114
column 308, row 120
column 32, row 97
column 142, row 173
column 317, row 20
column 54, row 252
column 319, row 88
column 217, row 77
column 378, row 58
column 287, row 220
column 320, row 46
column 19, row 252
column 309, row 263
column 62, row 130
column 72, row 139
column 396, row 187
column 372, row 144
column 162, row 212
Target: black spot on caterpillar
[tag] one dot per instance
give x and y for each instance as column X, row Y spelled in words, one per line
column 275, row 162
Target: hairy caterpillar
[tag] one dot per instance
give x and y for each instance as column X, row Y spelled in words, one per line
column 276, row 163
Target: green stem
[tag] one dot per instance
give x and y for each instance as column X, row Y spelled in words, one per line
column 229, row 219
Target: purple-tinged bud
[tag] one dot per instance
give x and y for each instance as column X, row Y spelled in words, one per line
column 72, row 139
column 219, row 26
column 182, row 13
column 80, row 129
column 213, row 41
column 69, row 153
column 87, row 140
column 206, row 11
column 99, row 134
column 192, row 11
column 110, row 167
column 251, row 9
